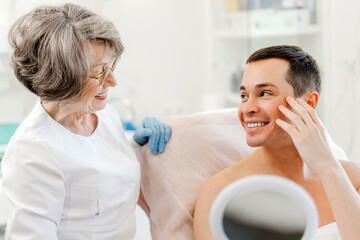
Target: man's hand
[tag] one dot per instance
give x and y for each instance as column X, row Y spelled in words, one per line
column 308, row 134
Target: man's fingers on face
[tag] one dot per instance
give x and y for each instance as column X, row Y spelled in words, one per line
column 293, row 117
column 290, row 129
column 299, row 110
column 311, row 111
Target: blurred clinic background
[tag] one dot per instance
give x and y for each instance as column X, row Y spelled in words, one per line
column 188, row 56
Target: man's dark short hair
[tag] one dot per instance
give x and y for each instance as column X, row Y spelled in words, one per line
column 303, row 74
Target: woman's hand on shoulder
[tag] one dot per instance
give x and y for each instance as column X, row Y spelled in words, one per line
column 153, row 131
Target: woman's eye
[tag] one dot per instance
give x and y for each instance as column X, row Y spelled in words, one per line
column 96, row 71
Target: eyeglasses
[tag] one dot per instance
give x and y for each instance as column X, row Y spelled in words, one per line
column 103, row 76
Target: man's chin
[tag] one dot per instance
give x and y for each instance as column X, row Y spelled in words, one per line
column 252, row 143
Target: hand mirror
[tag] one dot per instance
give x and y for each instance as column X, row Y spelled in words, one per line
column 263, row 207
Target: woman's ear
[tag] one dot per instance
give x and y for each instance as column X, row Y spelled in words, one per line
column 312, row 99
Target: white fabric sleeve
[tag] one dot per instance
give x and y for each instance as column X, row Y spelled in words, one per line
column 34, row 184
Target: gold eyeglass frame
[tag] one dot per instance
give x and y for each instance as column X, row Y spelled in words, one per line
column 104, row 75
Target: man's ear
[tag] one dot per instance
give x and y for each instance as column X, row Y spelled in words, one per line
column 312, row 99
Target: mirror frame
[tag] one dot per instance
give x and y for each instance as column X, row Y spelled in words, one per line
column 270, row 183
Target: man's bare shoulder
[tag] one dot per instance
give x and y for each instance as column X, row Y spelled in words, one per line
column 223, row 178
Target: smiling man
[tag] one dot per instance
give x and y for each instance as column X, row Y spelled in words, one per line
column 290, row 138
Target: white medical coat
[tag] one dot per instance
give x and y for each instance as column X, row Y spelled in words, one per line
column 65, row 186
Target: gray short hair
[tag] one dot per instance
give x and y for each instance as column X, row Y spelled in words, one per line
column 52, row 49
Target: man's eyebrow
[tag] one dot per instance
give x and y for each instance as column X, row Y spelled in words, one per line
column 261, row 85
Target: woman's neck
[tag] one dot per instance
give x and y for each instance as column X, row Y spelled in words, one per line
column 72, row 117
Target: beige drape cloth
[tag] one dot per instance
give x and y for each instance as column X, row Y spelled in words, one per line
column 200, row 146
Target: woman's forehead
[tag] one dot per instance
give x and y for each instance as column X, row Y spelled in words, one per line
column 102, row 53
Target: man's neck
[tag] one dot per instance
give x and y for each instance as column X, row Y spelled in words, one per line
column 286, row 161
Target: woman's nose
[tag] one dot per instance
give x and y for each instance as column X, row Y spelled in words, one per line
column 110, row 81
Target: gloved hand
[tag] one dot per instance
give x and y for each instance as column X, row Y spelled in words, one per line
column 153, row 131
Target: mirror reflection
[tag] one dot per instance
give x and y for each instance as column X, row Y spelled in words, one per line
column 263, row 215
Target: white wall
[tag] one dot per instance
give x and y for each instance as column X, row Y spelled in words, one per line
column 163, row 69
column 341, row 84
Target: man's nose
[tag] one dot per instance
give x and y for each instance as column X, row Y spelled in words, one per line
column 250, row 106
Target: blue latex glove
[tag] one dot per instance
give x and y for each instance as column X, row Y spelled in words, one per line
column 153, row 131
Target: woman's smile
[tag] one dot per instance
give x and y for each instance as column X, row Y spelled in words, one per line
column 101, row 96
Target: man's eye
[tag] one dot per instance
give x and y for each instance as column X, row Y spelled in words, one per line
column 265, row 94
column 243, row 96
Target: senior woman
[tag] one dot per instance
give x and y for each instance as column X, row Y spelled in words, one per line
column 69, row 171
